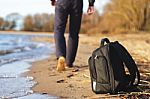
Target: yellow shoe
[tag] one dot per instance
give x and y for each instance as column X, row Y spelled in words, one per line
column 61, row 64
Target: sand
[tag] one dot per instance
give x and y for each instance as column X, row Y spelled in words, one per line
column 74, row 83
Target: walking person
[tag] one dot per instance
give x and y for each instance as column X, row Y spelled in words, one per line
column 63, row 8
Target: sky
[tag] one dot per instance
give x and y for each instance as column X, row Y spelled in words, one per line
column 26, row 7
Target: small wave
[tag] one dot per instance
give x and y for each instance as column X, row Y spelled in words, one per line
column 40, row 45
column 15, row 50
column 9, row 87
column 6, row 61
column 27, row 48
column 37, row 96
column 7, row 75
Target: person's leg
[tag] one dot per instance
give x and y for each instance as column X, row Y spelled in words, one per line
column 61, row 16
column 74, row 28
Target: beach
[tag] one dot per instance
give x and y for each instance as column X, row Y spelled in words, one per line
column 74, row 83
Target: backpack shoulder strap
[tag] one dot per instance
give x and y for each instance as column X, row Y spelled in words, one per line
column 130, row 64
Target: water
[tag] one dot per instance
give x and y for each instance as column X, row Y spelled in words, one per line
column 17, row 52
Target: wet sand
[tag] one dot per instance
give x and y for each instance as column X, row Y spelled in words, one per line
column 75, row 83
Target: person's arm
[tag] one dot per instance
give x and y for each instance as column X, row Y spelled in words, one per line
column 91, row 7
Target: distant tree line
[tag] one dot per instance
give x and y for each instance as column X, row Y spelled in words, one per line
column 39, row 22
column 119, row 16
column 45, row 23
column 6, row 25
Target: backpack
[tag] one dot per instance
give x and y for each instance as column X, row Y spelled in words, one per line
column 107, row 68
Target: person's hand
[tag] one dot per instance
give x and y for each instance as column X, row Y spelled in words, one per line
column 53, row 2
column 90, row 10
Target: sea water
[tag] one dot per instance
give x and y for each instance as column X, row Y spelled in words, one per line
column 17, row 52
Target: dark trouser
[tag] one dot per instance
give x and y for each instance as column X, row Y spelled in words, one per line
column 65, row 8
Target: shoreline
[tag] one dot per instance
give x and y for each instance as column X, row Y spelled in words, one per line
column 75, row 83
column 24, row 32
column 17, row 53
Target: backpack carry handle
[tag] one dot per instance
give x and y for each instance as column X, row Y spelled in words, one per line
column 104, row 40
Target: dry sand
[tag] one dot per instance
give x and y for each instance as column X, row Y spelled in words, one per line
column 75, row 83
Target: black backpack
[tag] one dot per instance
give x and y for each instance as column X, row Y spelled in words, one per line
column 107, row 68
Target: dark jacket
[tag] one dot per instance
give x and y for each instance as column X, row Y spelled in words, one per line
column 91, row 2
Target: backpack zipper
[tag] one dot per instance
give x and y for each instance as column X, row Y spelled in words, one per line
column 111, row 77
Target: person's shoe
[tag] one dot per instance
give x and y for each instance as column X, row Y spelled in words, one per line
column 69, row 66
column 61, row 64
